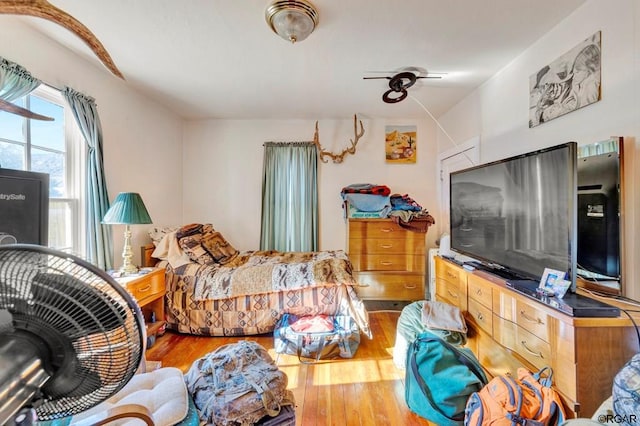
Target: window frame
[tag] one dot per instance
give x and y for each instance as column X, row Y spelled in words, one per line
column 74, row 167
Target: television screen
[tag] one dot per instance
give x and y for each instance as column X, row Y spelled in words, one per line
column 518, row 214
column 599, row 215
column 24, row 207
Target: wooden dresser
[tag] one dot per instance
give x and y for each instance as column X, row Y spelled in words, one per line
column 387, row 259
column 148, row 290
column 508, row 330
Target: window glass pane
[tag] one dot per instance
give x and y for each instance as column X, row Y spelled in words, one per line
column 60, row 232
column 52, row 163
column 12, row 126
column 11, row 156
column 48, row 134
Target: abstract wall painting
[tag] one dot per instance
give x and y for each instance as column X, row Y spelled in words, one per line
column 570, row 82
column 401, row 143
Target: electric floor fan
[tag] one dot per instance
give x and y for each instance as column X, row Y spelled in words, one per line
column 70, row 335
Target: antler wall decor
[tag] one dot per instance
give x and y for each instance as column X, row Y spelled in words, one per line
column 337, row 158
column 15, row 109
column 44, row 9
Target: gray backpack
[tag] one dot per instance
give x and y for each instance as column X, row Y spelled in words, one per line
column 237, row 384
column 626, row 393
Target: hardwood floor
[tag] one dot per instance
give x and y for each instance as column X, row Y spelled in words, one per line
column 365, row 390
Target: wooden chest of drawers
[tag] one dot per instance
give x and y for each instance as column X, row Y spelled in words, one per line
column 148, row 290
column 387, row 259
column 508, row 330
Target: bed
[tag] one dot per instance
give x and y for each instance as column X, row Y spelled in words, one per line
column 216, row 290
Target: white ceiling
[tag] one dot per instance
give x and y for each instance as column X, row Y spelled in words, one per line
column 219, row 59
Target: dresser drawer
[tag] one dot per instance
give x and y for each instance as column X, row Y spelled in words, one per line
column 413, row 245
column 497, row 359
column 382, row 228
column 388, row 262
column 150, row 287
column 390, row 286
column 481, row 316
column 532, row 319
column 449, row 292
column 479, row 290
column 530, row 347
column 448, row 272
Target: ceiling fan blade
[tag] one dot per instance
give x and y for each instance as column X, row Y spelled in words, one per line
column 376, row 78
column 429, row 76
column 15, row 109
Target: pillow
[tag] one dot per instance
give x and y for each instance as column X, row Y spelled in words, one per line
column 216, row 245
column 168, row 249
column 190, row 238
column 157, row 234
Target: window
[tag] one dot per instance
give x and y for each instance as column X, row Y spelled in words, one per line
column 51, row 147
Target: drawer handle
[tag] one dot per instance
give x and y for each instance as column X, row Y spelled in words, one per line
column 530, row 319
column 466, row 245
column 480, row 316
column 386, row 263
column 386, row 246
column 479, row 292
column 537, row 354
column 410, row 286
column 450, row 275
column 452, row 294
column 386, row 230
column 144, row 289
column 466, row 229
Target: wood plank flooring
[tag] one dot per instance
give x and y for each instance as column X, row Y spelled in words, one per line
column 367, row 390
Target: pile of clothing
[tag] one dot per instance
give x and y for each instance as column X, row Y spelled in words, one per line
column 366, row 200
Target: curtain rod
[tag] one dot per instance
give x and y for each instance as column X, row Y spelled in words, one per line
column 288, row 143
column 52, row 86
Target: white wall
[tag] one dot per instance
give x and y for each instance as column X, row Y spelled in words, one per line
column 498, row 110
column 223, row 172
column 142, row 140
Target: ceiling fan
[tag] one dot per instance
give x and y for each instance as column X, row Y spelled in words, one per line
column 400, row 81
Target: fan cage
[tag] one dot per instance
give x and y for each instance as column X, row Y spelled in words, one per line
column 92, row 326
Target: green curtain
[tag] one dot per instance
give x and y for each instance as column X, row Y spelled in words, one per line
column 290, row 197
column 99, row 243
column 15, row 81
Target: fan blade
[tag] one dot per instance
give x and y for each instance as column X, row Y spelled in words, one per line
column 376, row 78
column 429, row 76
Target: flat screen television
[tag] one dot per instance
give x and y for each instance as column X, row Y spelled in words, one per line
column 599, row 216
column 24, row 207
column 517, row 216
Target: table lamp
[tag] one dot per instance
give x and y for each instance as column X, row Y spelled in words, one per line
column 127, row 209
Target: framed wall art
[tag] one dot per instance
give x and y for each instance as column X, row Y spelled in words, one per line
column 401, row 143
column 570, row 82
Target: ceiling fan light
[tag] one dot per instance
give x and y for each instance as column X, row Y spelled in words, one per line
column 293, row 20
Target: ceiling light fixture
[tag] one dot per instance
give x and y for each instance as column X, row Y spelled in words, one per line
column 293, row 20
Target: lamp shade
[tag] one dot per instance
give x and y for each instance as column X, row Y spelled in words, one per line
column 128, row 209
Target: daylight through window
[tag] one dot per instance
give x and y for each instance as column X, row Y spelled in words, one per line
column 48, row 147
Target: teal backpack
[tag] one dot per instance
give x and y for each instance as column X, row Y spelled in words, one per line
column 439, row 379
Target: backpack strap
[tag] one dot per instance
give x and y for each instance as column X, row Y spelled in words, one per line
column 460, row 356
column 546, row 381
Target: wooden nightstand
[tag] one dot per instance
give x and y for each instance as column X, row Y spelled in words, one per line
column 148, row 290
